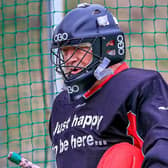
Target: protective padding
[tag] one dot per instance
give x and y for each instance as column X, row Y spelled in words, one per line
column 122, row 155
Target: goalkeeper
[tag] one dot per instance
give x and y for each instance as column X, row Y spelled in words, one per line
column 108, row 115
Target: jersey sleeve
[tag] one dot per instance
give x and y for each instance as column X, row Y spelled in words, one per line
column 51, row 122
column 153, row 122
column 50, row 132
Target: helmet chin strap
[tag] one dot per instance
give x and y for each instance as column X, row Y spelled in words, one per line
column 76, row 88
column 102, row 70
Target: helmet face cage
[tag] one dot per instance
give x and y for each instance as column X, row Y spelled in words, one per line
column 111, row 46
column 60, row 61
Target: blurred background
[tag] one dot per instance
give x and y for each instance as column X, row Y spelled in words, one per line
column 28, row 83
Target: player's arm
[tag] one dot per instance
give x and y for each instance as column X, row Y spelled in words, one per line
column 153, row 122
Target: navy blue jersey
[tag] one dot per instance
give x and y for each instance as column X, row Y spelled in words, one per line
column 83, row 130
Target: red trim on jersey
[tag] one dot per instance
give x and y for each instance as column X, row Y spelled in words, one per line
column 90, row 92
column 132, row 130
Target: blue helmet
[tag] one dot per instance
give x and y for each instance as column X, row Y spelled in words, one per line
column 88, row 24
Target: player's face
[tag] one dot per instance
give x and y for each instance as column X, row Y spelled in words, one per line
column 76, row 58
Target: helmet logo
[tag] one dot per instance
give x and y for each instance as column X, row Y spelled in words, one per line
column 60, row 37
column 103, row 20
column 110, row 43
column 73, row 89
column 120, row 45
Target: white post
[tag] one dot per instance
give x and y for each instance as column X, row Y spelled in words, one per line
column 55, row 8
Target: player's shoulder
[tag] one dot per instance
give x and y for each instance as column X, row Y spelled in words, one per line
column 61, row 98
column 134, row 77
column 142, row 73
